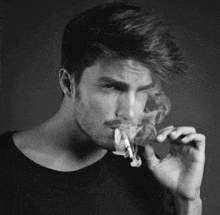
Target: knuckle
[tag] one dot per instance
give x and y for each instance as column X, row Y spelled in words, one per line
column 203, row 137
column 192, row 129
column 178, row 128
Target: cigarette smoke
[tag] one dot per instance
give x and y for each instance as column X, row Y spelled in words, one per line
column 156, row 108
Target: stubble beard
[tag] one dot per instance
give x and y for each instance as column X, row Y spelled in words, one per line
column 88, row 127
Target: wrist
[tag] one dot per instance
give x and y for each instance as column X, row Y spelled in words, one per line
column 187, row 206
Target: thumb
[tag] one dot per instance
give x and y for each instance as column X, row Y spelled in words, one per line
column 150, row 157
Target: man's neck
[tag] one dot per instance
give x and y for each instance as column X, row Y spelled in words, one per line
column 51, row 145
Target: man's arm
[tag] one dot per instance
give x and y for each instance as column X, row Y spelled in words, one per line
column 181, row 171
column 189, row 207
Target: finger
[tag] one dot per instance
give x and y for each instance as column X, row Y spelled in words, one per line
column 198, row 139
column 181, row 131
column 168, row 127
column 150, row 156
column 162, row 134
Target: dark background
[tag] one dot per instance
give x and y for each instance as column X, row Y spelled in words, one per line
column 29, row 84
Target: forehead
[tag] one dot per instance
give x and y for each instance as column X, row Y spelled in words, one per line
column 128, row 71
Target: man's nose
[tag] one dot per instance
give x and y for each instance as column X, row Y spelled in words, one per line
column 126, row 106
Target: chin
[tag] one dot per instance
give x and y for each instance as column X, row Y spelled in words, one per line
column 106, row 143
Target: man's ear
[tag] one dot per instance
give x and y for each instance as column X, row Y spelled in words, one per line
column 67, row 83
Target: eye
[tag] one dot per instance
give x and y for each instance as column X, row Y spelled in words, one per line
column 112, row 87
column 108, row 87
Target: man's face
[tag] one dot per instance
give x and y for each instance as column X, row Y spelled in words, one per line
column 109, row 95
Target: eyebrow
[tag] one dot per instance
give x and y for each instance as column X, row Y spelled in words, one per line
column 123, row 84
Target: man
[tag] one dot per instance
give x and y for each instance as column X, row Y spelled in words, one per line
column 113, row 59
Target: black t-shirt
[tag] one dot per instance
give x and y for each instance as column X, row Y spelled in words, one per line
column 109, row 187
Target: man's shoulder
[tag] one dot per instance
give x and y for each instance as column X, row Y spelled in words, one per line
column 6, row 138
column 12, row 141
column 6, row 143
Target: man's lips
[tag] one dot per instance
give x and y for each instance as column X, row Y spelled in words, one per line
column 115, row 126
column 121, row 124
column 113, row 123
column 125, row 125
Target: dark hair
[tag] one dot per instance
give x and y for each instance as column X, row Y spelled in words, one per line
column 120, row 31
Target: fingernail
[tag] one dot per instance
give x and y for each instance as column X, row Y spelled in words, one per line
column 160, row 136
column 185, row 139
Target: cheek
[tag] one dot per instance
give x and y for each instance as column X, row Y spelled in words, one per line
column 141, row 101
column 102, row 106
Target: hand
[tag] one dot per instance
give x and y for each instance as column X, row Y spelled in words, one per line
column 182, row 169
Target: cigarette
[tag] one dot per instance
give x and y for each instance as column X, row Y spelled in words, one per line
column 127, row 145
